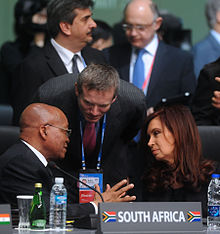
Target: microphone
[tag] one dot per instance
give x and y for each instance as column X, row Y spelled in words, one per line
column 52, row 164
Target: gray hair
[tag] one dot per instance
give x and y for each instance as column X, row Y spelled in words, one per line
column 63, row 11
column 99, row 77
column 211, row 8
column 153, row 7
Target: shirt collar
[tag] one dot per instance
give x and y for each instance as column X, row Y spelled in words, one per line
column 216, row 35
column 151, row 48
column 37, row 153
column 65, row 54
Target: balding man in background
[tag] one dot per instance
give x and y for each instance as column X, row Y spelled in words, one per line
column 156, row 68
column 44, row 137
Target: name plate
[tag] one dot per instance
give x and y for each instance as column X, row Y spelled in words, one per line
column 5, row 219
column 144, row 217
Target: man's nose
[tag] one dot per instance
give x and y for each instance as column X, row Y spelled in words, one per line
column 92, row 23
column 95, row 110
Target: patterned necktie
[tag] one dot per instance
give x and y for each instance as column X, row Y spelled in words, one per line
column 75, row 69
column 89, row 138
column 139, row 74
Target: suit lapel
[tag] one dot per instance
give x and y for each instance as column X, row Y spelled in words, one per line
column 54, row 61
column 158, row 67
column 125, row 64
column 112, row 122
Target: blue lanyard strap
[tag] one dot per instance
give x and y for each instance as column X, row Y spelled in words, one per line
column 100, row 150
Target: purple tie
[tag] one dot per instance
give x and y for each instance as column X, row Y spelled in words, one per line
column 89, row 138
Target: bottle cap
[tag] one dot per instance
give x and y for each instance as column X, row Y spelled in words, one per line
column 215, row 175
column 59, row 180
column 38, row 185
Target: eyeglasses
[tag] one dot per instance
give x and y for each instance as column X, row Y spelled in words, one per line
column 139, row 28
column 67, row 130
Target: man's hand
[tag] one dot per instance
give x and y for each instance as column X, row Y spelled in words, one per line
column 116, row 193
column 216, row 97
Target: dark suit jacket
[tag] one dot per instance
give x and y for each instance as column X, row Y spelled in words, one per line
column 202, row 109
column 37, row 69
column 124, row 119
column 20, row 169
column 172, row 72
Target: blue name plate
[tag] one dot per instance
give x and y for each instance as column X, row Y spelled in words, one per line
column 144, row 217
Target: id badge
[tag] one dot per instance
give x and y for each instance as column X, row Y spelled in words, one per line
column 90, row 177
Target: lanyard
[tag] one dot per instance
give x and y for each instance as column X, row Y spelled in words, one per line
column 100, row 151
column 148, row 74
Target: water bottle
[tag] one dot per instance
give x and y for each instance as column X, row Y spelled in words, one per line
column 58, row 202
column 213, row 218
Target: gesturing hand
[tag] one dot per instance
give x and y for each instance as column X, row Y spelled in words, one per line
column 115, row 194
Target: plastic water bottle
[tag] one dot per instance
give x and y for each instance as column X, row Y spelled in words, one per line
column 213, row 218
column 58, row 203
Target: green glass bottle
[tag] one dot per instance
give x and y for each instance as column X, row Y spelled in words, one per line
column 38, row 209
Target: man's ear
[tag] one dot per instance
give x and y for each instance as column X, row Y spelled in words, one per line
column 76, row 89
column 113, row 100
column 43, row 132
column 65, row 28
column 158, row 23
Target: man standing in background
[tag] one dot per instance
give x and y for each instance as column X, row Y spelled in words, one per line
column 70, row 25
column 208, row 50
column 158, row 69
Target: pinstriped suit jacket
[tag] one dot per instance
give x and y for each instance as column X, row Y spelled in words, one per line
column 124, row 119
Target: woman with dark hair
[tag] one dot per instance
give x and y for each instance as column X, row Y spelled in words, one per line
column 178, row 171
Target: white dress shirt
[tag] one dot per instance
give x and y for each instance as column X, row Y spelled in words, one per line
column 148, row 59
column 67, row 56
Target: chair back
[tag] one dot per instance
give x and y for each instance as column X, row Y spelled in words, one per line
column 6, row 114
column 210, row 137
column 8, row 136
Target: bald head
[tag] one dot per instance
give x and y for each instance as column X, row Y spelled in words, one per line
column 38, row 114
column 45, row 128
column 141, row 6
column 141, row 20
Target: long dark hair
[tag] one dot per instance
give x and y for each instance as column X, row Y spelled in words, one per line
column 190, row 169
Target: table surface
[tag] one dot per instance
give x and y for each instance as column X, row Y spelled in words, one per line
column 87, row 231
column 48, row 231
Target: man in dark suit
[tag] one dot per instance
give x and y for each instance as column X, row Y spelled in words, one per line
column 204, row 111
column 70, row 26
column 117, row 110
column 167, row 71
column 44, row 137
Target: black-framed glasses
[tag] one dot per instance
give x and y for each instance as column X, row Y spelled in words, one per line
column 139, row 27
column 67, row 130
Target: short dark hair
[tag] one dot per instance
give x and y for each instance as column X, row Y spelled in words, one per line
column 102, row 31
column 98, row 77
column 63, row 11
